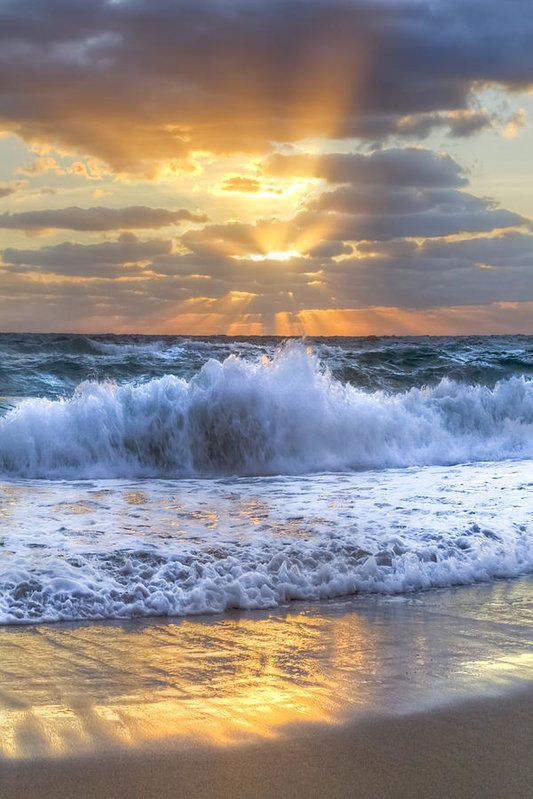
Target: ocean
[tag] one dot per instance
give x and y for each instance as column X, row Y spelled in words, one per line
column 171, row 476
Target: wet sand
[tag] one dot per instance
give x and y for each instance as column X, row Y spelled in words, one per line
column 426, row 695
column 476, row 749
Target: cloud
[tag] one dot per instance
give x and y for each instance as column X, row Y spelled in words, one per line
column 384, row 194
column 515, row 123
column 361, row 245
column 420, row 283
column 241, row 184
column 137, row 82
column 144, row 284
column 410, row 280
column 430, row 223
column 11, row 187
column 396, row 200
column 330, row 249
column 98, row 218
column 90, row 260
column 240, row 238
column 496, row 250
column 459, row 123
column 387, row 194
column 40, row 165
column 399, row 229
column 398, row 273
column 408, row 166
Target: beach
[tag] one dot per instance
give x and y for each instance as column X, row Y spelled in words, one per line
column 452, row 752
column 266, row 399
column 231, row 568
column 429, row 695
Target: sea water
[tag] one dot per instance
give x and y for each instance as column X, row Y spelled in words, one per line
column 148, row 476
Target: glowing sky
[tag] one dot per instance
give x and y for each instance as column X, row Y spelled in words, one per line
column 336, row 167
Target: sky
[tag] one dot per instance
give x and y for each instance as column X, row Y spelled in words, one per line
column 247, row 167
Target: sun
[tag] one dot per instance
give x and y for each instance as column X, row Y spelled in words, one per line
column 281, row 255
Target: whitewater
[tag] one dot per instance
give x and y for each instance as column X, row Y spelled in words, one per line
column 175, row 476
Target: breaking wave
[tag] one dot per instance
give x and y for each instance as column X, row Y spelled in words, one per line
column 281, row 415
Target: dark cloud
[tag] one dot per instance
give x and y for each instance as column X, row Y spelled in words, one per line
column 428, row 223
column 419, row 125
column 396, row 200
column 389, row 194
column 408, row 166
column 389, row 249
column 105, row 258
column 497, row 250
column 98, row 218
column 420, row 282
column 330, row 249
column 141, row 80
column 459, row 123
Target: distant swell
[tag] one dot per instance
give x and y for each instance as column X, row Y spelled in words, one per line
column 285, row 415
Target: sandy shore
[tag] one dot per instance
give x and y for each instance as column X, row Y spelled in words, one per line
column 474, row 749
column 429, row 695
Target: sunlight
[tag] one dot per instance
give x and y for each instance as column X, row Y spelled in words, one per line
column 283, row 255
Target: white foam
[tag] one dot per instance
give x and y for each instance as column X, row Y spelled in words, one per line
column 124, row 349
column 113, row 549
column 285, row 415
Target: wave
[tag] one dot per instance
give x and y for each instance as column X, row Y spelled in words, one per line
column 115, row 549
column 52, row 366
column 280, row 415
column 131, row 583
column 151, row 348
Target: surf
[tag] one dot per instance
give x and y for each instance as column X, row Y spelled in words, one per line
column 284, row 414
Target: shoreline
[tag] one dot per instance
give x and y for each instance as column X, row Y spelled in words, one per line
column 427, row 695
column 476, row 748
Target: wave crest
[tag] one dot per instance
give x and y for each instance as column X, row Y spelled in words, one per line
column 285, row 415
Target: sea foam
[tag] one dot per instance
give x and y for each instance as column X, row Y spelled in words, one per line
column 280, row 415
column 116, row 549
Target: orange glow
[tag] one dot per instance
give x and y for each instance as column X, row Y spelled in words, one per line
column 250, row 698
column 387, row 321
column 377, row 321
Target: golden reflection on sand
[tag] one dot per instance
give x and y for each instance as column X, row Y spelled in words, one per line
column 74, row 689
column 81, row 687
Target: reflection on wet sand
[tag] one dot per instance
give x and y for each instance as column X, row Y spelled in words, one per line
column 68, row 689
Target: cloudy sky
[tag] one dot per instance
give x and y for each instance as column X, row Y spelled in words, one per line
column 327, row 167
